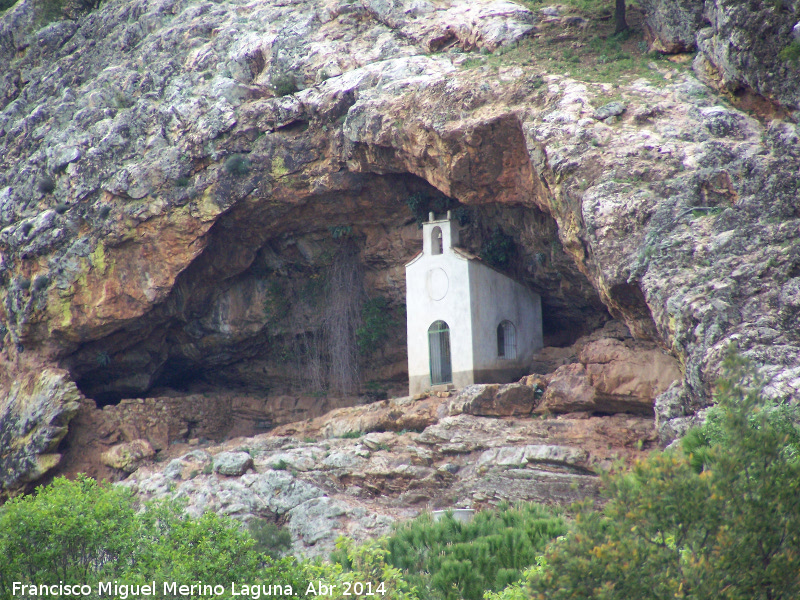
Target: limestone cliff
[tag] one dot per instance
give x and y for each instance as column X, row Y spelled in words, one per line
column 175, row 176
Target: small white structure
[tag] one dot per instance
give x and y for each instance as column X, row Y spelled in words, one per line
column 467, row 323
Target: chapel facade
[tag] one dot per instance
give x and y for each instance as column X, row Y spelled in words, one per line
column 466, row 322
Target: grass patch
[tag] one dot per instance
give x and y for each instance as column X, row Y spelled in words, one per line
column 591, row 53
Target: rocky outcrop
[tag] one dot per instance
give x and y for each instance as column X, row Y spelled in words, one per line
column 127, row 456
column 176, row 178
column 232, row 463
column 611, row 376
column 673, row 26
column 741, row 46
column 326, row 486
column 34, row 414
column 494, row 400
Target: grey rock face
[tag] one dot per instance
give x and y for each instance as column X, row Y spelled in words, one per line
column 232, row 463
column 673, row 25
column 739, row 43
column 360, row 493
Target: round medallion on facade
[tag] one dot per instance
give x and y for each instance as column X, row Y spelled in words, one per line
column 437, row 284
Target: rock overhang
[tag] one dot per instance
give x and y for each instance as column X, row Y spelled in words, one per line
column 613, row 195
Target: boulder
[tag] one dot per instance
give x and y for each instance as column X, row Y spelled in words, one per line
column 612, row 109
column 34, row 412
column 232, row 464
column 190, row 463
column 569, row 390
column 612, row 376
column 494, row 400
column 520, row 456
column 671, row 26
column 127, row 456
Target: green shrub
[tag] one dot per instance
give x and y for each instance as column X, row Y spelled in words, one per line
column 420, row 204
column 84, row 532
column 281, row 465
column 454, row 560
column 237, row 165
column 366, row 564
column 351, row 435
column 182, row 182
column 284, row 85
column 271, row 539
column 46, row 184
column 718, row 519
column 499, row 250
column 791, row 53
column 71, row 531
column 376, row 325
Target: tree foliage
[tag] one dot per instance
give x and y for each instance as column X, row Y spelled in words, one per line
column 452, row 560
column 71, row 531
column 83, row 532
column 719, row 519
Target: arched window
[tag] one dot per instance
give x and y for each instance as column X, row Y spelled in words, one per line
column 439, row 352
column 437, row 244
column 506, row 340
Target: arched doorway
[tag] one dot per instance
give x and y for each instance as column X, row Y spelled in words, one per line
column 506, row 340
column 439, row 349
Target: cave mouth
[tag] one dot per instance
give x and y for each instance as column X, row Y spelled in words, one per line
column 254, row 312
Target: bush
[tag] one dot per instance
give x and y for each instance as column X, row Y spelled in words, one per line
column 271, row 539
column 46, row 184
column 420, row 204
column 237, row 165
column 791, row 53
column 71, row 531
column 361, row 569
column 376, row 325
column 454, row 560
column 719, row 519
column 499, row 250
column 83, row 532
column 284, row 85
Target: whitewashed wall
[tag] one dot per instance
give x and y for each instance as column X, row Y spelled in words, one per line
column 472, row 299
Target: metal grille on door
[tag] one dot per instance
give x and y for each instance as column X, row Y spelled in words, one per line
column 439, row 348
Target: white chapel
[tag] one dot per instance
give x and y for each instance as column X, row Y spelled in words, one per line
column 467, row 323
